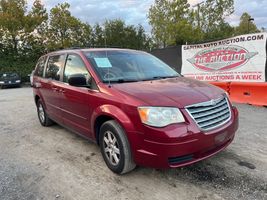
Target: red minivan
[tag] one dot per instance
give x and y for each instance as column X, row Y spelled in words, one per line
column 135, row 107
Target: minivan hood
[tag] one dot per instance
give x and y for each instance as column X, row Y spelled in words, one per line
column 178, row 92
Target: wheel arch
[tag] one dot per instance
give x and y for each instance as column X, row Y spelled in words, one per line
column 109, row 112
column 36, row 98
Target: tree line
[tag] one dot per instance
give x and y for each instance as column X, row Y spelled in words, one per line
column 25, row 33
column 177, row 22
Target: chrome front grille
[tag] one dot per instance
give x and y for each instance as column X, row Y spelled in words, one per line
column 211, row 114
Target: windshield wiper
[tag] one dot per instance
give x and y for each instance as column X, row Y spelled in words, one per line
column 160, row 77
column 164, row 77
column 121, row 80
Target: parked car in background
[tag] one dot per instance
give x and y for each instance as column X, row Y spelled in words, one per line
column 9, row 79
column 135, row 107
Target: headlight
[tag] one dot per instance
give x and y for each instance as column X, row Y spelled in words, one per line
column 160, row 116
column 17, row 81
column 2, row 82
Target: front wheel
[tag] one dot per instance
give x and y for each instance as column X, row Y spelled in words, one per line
column 115, row 148
column 43, row 118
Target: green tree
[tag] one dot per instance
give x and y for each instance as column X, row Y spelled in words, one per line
column 66, row 30
column 36, row 26
column 83, row 36
column 213, row 15
column 172, row 22
column 19, row 27
column 116, row 33
column 159, row 20
column 175, row 22
column 143, row 40
column 246, row 25
column 98, row 36
column 20, row 38
column 179, row 27
column 12, row 21
column 127, row 36
column 25, row 34
column 224, row 30
column 36, row 17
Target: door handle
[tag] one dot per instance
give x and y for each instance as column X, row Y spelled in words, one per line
column 55, row 89
column 37, row 85
column 62, row 91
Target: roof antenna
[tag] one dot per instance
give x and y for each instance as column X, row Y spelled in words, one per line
column 109, row 85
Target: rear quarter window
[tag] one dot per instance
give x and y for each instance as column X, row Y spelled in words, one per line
column 39, row 70
column 54, row 67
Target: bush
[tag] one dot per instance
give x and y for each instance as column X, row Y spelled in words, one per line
column 23, row 65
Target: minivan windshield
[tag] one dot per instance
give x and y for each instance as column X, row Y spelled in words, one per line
column 128, row 66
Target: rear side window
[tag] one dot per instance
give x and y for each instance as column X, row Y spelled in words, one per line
column 75, row 65
column 40, row 67
column 54, row 67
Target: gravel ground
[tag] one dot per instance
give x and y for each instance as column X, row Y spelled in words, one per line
column 54, row 163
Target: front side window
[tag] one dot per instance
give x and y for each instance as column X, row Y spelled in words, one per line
column 121, row 65
column 75, row 65
column 54, row 67
column 40, row 67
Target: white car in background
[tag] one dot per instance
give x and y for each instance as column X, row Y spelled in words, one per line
column 31, row 78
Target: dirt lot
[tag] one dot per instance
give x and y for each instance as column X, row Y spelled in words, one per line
column 53, row 163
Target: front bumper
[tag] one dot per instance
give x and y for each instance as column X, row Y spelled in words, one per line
column 12, row 84
column 180, row 145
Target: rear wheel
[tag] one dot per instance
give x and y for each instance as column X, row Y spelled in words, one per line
column 43, row 118
column 115, row 148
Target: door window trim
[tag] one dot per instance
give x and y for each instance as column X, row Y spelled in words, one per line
column 44, row 69
column 63, row 67
column 78, row 55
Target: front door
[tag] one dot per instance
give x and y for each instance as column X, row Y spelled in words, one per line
column 75, row 104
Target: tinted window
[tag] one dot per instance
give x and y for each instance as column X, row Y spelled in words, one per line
column 120, row 66
column 40, row 67
column 75, row 65
column 54, row 66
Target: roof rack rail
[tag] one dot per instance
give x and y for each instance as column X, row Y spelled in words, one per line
column 105, row 46
column 69, row 48
column 91, row 46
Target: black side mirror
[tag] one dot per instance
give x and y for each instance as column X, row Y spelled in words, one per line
column 77, row 80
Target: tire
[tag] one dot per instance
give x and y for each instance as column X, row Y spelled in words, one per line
column 42, row 116
column 114, row 143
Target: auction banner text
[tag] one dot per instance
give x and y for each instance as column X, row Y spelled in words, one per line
column 241, row 58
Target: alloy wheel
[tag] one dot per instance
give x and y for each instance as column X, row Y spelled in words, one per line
column 111, row 148
column 41, row 113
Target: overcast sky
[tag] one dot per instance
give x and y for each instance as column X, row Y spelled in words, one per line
column 135, row 11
